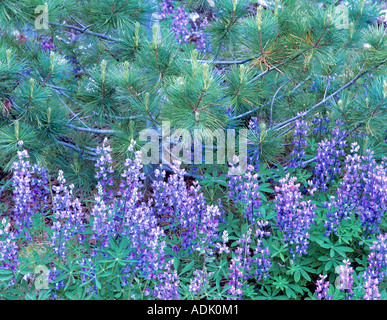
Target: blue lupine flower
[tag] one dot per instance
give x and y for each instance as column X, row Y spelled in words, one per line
column 294, row 217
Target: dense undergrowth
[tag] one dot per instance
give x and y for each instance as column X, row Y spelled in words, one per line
column 82, row 217
column 317, row 235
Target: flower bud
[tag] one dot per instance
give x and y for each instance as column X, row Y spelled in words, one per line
column 234, row 4
column 52, row 60
column 259, row 18
column 136, row 34
column 155, row 35
column 126, row 69
column 8, row 52
column 17, row 127
column 195, row 59
column 146, row 100
column 351, row 30
column 103, row 69
column 205, row 73
column 241, row 72
column 276, row 7
column 180, row 81
column 49, row 111
column 32, row 82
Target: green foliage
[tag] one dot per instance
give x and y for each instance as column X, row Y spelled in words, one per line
column 113, row 15
column 113, row 62
column 225, row 29
column 11, row 135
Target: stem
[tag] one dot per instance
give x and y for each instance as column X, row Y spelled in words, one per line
column 85, row 30
column 348, row 84
column 222, row 62
column 142, row 292
column 272, row 102
column 255, row 109
column 100, row 131
column 130, row 283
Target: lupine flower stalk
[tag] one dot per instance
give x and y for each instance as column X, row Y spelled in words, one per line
column 346, row 278
column 294, row 217
column 135, row 221
column 185, row 210
column 377, row 259
column 300, row 134
column 261, row 261
column 168, row 284
column 329, row 151
column 30, row 194
column 8, row 247
column 236, row 277
column 244, row 191
column 103, row 213
column 371, row 289
column 198, row 283
column 184, row 32
column 67, row 217
column 322, row 287
column 363, row 190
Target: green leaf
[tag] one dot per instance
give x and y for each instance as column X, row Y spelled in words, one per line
column 305, row 275
column 323, row 258
column 290, row 293
column 296, row 288
column 187, row 267
column 297, row 276
column 343, row 250
column 70, row 295
column 176, row 263
column 5, row 271
column 98, row 284
column 328, row 265
column 324, row 245
column 6, row 278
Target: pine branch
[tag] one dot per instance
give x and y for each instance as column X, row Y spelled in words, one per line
column 221, row 62
column 91, row 130
column 286, row 131
column 68, row 108
column 280, row 97
column 279, row 126
column 86, row 31
column 76, row 148
column 277, row 66
column 75, row 117
column 272, row 101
